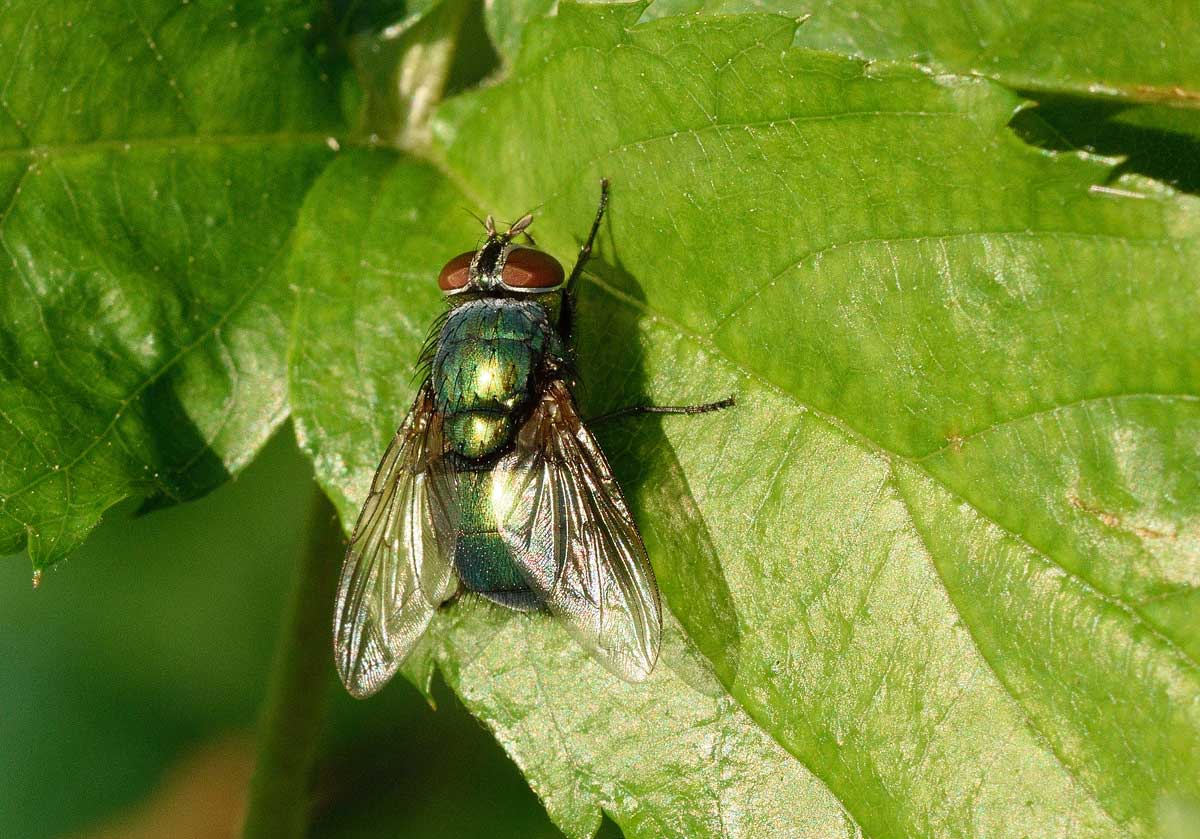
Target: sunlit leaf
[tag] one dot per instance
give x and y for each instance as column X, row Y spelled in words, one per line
column 1140, row 52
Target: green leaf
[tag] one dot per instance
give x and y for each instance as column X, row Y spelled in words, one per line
column 152, row 161
column 1136, row 51
column 1139, row 52
column 506, row 21
column 674, row 757
column 1110, row 78
column 373, row 233
column 942, row 553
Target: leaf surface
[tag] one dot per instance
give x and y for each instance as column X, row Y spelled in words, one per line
column 674, row 757
column 1138, row 51
column 935, row 575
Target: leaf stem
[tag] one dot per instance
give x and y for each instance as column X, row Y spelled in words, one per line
column 298, row 691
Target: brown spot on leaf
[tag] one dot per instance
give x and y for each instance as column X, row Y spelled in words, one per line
column 1114, row 521
column 1170, row 94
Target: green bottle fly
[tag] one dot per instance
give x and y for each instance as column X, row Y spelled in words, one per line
column 493, row 484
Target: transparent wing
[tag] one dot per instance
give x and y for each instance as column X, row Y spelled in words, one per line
column 397, row 568
column 575, row 541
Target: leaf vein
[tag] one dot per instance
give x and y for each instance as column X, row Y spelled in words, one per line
column 1054, row 410
column 758, row 288
column 1030, row 723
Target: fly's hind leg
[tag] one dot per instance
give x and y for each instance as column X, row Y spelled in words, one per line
column 635, row 410
column 454, row 598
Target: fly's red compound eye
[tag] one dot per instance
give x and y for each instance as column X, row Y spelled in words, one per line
column 529, row 268
column 455, row 273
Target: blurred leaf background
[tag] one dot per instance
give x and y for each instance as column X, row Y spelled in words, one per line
column 129, row 686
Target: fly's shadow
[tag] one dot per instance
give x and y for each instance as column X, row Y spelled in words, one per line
column 613, row 376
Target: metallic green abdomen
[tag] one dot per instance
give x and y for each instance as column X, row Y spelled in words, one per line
column 487, row 354
column 482, row 558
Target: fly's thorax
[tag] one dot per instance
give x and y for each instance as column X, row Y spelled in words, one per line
column 489, row 355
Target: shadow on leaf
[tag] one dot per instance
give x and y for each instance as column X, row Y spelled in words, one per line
column 1158, row 142
column 681, row 548
column 181, row 465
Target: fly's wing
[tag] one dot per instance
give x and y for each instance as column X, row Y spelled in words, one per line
column 397, row 568
column 576, row 544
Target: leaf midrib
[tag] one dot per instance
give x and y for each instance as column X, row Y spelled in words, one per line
column 172, row 141
column 889, row 455
column 708, row 341
column 1030, row 723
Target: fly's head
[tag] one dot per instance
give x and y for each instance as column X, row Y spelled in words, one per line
column 498, row 266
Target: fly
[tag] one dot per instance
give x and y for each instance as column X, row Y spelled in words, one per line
column 494, row 485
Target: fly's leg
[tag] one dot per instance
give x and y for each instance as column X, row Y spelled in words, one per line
column 454, row 598
column 566, row 320
column 585, row 252
column 635, row 410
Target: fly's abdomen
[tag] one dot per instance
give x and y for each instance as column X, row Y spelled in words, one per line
column 482, row 558
column 483, row 371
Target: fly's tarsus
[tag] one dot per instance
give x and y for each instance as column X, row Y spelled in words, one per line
column 634, row 410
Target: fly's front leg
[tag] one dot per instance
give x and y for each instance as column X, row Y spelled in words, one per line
column 566, row 318
column 634, row 410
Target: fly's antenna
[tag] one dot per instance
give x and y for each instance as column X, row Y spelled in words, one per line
column 518, row 226
column 489, row 224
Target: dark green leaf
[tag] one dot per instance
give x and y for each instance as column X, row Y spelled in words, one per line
column 151, row 165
